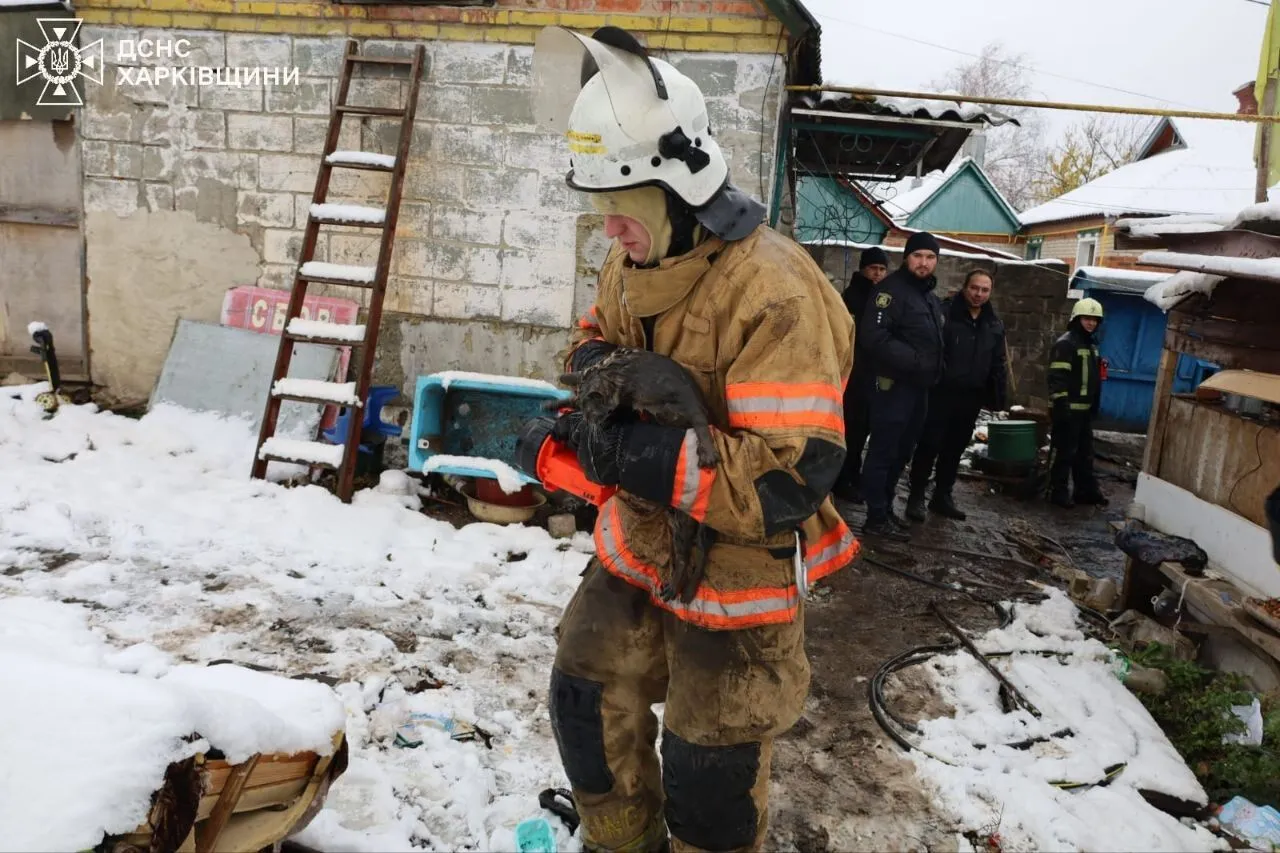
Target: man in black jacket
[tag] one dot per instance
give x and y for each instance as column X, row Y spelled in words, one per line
column 1075, row 389
column 902, row 332
column 873, row 266
column 974, row 378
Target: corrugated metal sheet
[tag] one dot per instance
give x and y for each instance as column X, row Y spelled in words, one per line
column 906, row 108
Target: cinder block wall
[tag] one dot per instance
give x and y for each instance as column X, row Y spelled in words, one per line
column 494, row 255
column 1030, row 298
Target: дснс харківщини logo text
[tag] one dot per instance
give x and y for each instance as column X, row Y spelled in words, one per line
column 59, row 62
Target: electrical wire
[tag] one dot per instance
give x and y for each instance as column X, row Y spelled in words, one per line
column 1257, row 448
column 1030, row 68
column 764, row 102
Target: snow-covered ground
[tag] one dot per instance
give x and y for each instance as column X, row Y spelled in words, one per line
column 156, row 535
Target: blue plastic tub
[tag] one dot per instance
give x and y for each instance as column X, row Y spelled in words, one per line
column 475, row 415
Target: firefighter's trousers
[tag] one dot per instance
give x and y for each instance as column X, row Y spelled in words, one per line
column 727, row 695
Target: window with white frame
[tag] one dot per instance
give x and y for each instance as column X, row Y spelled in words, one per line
column 1034, row 247
column 1086, row 248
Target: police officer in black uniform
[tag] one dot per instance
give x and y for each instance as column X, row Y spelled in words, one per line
column 974, row 378
column 902, row 332
column 1075, row 390
column 873, row 266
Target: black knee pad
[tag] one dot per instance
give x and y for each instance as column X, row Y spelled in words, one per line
column 579, row 730
column 708, row 792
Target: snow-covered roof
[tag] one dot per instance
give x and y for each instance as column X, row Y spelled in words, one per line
column 1110, row 278
column 939, row 110
column 1215, row 172
column 902, row 206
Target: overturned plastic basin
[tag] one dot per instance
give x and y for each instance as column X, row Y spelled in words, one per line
column 518, row 509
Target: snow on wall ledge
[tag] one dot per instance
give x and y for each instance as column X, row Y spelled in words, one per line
column 487, row 228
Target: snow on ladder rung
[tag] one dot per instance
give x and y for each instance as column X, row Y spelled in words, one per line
column 338, row 272
column 341, row 214
column 342, row 393
column 361, row 158
column 301, row 328
column 302, row 452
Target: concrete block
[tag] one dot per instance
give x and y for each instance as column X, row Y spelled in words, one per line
column 519, row 66
column 259, row 51
column 726, row 115
column 445, row 103
column 205, row 129
column 715, row 76
column 95, row 156
column 469, row 62
column 309, row 135
column 358, row 187
column 277, row 276
column 474, row 264
column 376, row 92
column 126, row 160
column 149, row 90
column 111, row 196
column 523, row 229
column 538, row 306
column 466, row 226
column 203, row 49
column 289, row 172
column 546, row 152
column 537, row 287
column 466, row 301
column 434, row 183
column 555, row 194
column 319, row 57
column 271, row 209
column 502, row 107
column 242, row 98
column 231, row 169
column 506, row 189
column 403, row 49
column 159, row 197
column 308, row 97
column 429, row 345
column 259, row 132
column 356, row 249
column 414, row 221
column 111, row 126
column 467, row 145
column 159, row 163
column 281, row 247
column 758, row 71
column 411, row 258
column 382, row 136
column 409, row 296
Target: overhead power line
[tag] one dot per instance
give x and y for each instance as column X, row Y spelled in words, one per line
column 869, row 94
column 1011, row 63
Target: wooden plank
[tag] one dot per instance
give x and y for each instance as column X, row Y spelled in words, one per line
column 31, row 214
column 1224, row 355
column 270, row 770
column 207, row 838
column 1221, row 601
column 251, row 799
column 1159, row 412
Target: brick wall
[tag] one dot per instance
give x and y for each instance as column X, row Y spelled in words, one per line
column 492, row 249
column 1031, row 299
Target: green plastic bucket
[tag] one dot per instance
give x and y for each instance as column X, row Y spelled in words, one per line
column 1011, row 441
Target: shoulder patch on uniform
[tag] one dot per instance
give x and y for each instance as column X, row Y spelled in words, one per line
column 883, row 299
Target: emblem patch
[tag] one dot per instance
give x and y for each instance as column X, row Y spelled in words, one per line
column 883, row 300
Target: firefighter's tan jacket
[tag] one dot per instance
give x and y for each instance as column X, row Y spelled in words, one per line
column 766, row 336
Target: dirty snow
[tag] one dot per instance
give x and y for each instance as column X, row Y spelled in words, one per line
column 509, row 479
column 317, row 389
column 1007, row 790
column 448, row 377
column 339, row 272
column 349, row 213
column 320, row 329
column 1174, row 289
column 362, row 158
column 155, row 526
column 87, row 730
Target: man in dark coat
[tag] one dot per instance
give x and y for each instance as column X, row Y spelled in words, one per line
column 1075, row 390
column 974, row 378
column 873, row 266
column 902, row 332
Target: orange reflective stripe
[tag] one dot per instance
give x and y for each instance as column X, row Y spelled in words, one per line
column 782, row 405
column 710, row 608
column 835, row 550
column 589, row 320
column 692, row 487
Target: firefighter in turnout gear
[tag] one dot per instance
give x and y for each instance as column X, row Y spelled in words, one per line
column 695, row 276
column 1075, row 389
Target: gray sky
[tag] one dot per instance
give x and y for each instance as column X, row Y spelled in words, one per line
column 1178, row 53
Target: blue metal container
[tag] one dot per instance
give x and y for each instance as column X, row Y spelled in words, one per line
column 474, row 415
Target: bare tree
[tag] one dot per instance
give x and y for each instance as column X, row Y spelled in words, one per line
column 1088, row 150
column 1014, row 153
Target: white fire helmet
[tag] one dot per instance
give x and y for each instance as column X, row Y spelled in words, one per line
column 633, row 120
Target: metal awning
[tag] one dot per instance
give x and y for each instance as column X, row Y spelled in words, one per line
column 1115, row 280
column 882, row 139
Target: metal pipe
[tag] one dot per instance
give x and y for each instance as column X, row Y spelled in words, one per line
column 1046, row 105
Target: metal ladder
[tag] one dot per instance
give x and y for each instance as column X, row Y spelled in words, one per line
column 362, row 339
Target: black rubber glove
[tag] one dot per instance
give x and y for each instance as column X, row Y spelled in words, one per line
column 601, row 452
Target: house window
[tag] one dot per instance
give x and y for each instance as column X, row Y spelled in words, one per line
column 1086, row 248
column 1034, row 246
